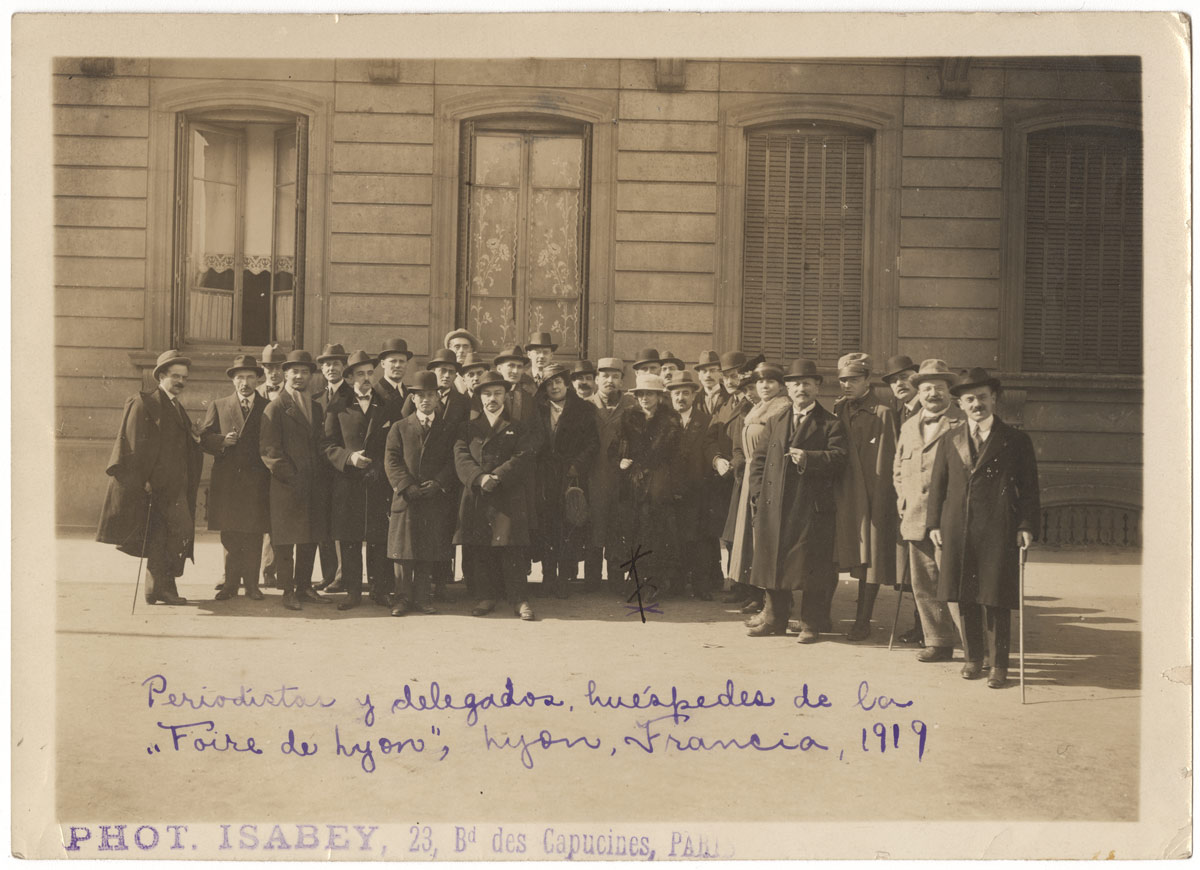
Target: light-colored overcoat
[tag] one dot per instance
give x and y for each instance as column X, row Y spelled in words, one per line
column 913, row 469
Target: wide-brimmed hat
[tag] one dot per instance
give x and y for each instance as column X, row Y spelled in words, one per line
column 394, row 346
column 540, row 339
column 766, row 371
column 423, row 380
column 803, row 368
column 898, row 365
column 648, row 383
column 552, row 371
column 583, row 367
column 732, row 359
column 169, row 358
column 510, row 351
column 975, row 377
column 853, row 365
column 669, row 357
column 682, row 379
column 934, row 370
column 299, row 358
column 708, row 358
column 460, row 333
column 244, row 362
column 272, row 355
column 645, row 356
column 332, row 351
column 610, row 363
column 358, row 358
column 491, row 379
column 443, row 357
column 473, row 360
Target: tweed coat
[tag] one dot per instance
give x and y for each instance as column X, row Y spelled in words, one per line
column 360, row 498
column 565, row 456
column 291, row 448
column 605, row 477
column 238, row 493
column 499, row 518
column 421, row 527
column 152, row 446
column 866, row 509
column 795, row 510
column 913, row 469
column 694, row 475
column 979, row 510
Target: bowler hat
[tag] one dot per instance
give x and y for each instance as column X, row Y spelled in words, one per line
column 244, row 362
column 803, row 368
column 732, row 359
column 853, row 365
column 169, row 358
column 583, row 367
column 610, row 363
column 975, row 377
column 708, row 358
column 442, row 358
column 332, row 351
column 272, row 355
column 394, row 346
column 934, row 370
column 299, row 358
column 669, row 357
column 460, row 333
column 491, row 379
column 648, row 383
column 681, row 379
column 425, row 380
column 647, row 355
column 552, row 371
column 540, row 339
column 358, row 358
column 897, row 365
column 510, row 351
column 473, row 360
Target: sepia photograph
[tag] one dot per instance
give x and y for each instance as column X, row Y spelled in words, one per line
column 567, row 452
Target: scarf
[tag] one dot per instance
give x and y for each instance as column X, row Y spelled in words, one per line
column 763, row 411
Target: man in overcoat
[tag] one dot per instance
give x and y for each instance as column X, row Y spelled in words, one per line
column 912, row 471
column 510, row 362
column 154, row 470
column 393, row 361
column 898, row 377
column 866, row 504
column 984, row 508
column 494, row 458
column 699, row 562
column 419, row 460
column 724, row 432
column 793, row 477
column 290, row 445
column 612, row 404
column 238, row 505
column 332, row 363
column 272, row 361
column 713, row 395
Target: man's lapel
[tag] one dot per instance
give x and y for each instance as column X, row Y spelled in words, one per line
column 995, row 442
column 958, row 438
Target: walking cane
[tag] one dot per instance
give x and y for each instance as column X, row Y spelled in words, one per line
column 1021, row 622
column 142, row 557
column 896, row 620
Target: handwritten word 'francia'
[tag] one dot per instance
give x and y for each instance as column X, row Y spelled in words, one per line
column 647, row 700
column 284, row 696
column 471, row 701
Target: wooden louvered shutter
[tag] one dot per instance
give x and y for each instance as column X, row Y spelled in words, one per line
column 1083, row 252
column 804, row 240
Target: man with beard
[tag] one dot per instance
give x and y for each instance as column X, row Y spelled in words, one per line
column 611, row 407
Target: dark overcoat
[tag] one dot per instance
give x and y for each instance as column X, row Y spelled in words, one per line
column 795, row 510
column 360, row 498
column 152, row 446
column 238, row 494
column 565, row 457
column 454, row 408
column 646, row 513
column 980, row 510
column 422, row 527
column 520, row 403
column 393, row 399
column 724, row 431
column 291, row 447
column 605, row 478
column 499, row 518
column 867, row 521
column 694, row 474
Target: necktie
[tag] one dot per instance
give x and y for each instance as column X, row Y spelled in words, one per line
column 425, row 425
column 245, row 408
column 976, row 445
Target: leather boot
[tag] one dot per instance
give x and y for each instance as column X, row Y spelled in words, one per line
column 861, row 630
column 170, row 594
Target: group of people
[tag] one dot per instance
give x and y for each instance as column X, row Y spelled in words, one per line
column 521, row 458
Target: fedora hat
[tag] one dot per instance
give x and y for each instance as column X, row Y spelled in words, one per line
column 169, row 358
column 491, row 379
column 510, row 351
column 583, row 367
column 708, row 358
column 975, row 377
column 682, row 379
column 551, row 372
column 540, row 339
column 897, row 365
column 394, row 346
column 803, row 368
column 442, row 358
column 646, row 355
column 332, row 351
column 299, row 358
column 648, row 383
column 358, row 358
column 472, row 361
column 668, row 357
column 460, row 333
column 611, row 364
column 424, row 380
column 272, row 355
column 934, row 370
column 732, row 359
column 854, row 365
column 244, row 362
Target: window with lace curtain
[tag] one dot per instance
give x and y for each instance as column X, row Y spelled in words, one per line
column 239, row 227
column 523, row 219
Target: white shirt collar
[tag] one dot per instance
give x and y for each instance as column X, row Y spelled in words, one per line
column 170, row 398
column 424, row 419
column 984, row 429
column 912, row 406
column 806, row 410
column 492, row 418
column 685, row 417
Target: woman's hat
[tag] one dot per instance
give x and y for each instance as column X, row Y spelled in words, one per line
column 649, row 383
column 169, row 358
column 767, row 372
column 242, row 363
column 551, row 372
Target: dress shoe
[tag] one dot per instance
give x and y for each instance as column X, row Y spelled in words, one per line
column 311, row 596
column 332, row 586
column 254, row 593
column 349, row 603
column 290, row 602
column 484, row 607
column 861, row 630
column 913, row 636
column 219, row 586
column 936, row 654
column 752, row 607
column 426, row 608
column 997, row 678
column 171, row 598
column 807, row 635
column 400, row 608
column 224, row 594
column 524, row 611
column 972, row 670
column 767, row 629
column 757, row 619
